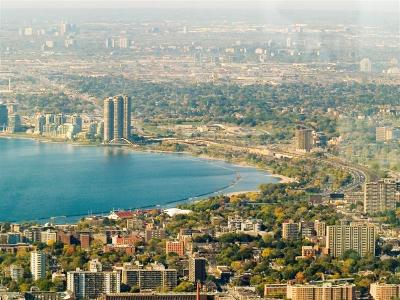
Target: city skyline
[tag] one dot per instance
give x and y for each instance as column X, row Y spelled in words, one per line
column 199, row 150
column 282, row 4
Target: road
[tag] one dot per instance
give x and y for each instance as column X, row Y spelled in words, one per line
column 359, row 174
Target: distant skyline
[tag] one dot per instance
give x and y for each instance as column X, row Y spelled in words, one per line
column 371, row 5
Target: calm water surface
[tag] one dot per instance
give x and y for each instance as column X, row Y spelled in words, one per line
column 41, row 180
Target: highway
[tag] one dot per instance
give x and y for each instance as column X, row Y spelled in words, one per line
column 360, row 174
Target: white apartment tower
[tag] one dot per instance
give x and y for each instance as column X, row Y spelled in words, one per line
column 38, row 265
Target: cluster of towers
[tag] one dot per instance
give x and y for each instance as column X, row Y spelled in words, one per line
column 117, row 118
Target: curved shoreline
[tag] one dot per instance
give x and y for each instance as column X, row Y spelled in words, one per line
column 282, row 178
column 167, row 204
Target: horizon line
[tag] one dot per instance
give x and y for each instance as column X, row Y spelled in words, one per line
column 311, row 5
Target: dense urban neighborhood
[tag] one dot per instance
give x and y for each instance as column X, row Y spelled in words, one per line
column 296, row 111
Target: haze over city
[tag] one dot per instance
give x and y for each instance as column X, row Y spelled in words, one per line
column 199, row 150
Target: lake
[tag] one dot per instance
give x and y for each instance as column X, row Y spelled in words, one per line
column 39, row 180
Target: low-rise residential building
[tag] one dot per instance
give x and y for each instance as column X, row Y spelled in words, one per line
column 238, row 224
column 309, row 251
column 275, row 290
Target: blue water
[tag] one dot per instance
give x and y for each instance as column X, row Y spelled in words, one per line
column 40, row 180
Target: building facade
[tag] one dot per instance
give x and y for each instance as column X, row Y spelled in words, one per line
column 38, row 265
column 3, row 117
column 165, row 280
column 175, row 247
column 290, row 230
column 383, row 134
column 197, row 269
column 117, row 118
column 320, row 228
column 277, row 290
column 360, row 238
column 379, row 196
column 157, row 233
column 126, row 131
column 304, row 140
column 108, row 119
column 91, row 285
column 365, row 65
column 16, row 272
column 383, row 291
column 158, row 296
column 326, row 291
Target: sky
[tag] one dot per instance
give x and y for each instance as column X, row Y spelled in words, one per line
column 370, row 5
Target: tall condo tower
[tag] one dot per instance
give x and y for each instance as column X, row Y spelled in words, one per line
column 3, row 117
column 108, row 119
column 304, row 141
column 127, row 117
column 118, row 117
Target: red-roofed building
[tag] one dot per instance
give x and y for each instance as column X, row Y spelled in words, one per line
column 120, row 215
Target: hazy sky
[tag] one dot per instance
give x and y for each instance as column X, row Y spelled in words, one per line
column 374, row 5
